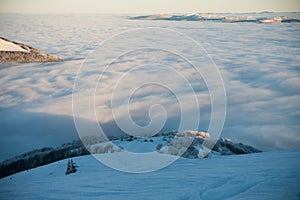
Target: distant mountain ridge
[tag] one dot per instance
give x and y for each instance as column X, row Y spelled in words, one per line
column 229, row 18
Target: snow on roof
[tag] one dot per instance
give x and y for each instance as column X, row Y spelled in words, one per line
column 9, row 46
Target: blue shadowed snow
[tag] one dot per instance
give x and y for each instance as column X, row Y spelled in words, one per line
column 268, row 175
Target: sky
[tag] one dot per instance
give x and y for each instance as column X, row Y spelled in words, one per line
column 143, row 6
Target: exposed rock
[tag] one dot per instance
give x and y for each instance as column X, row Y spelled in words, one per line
column 26, row 55
column 239, row 148
column 191, row 152
column 158, row 147
column 226, row 147
column 193, row 144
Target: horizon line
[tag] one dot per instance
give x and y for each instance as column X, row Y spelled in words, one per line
column 150, row 13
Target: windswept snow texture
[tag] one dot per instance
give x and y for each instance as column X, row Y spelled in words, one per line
column 248, row 17
column 259, row 64
column 277, row 176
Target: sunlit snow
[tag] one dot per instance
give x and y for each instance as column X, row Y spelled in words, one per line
column 9, row 46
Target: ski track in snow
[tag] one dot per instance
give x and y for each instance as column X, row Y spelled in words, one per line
column 268, row 175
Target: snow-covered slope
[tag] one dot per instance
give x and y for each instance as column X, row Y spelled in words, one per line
column 187, row 144
column 268, row 175
column 11, row 52
column 9, row 46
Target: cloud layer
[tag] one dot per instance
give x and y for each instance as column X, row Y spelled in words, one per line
column 259, row 64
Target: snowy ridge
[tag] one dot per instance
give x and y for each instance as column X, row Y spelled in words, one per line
column 187, row 144
column 219, row 18
column 12, row 51
column 9, row 46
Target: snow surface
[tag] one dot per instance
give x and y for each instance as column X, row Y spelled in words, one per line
column 269, row 175
column 9, row 46
column 259, row 64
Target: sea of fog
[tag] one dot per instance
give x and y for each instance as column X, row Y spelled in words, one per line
column 258, row 63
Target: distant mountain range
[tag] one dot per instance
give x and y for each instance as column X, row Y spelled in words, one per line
column 230, row 18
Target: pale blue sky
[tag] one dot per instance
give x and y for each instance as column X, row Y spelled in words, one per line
column 146, row 6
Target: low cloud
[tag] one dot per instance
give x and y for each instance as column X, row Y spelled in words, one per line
column 260, row 72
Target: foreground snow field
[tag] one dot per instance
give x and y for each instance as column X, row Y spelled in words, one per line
column 268, row 175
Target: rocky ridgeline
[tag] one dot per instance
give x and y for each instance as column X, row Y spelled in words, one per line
column 29, row 54
column 193, row 144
